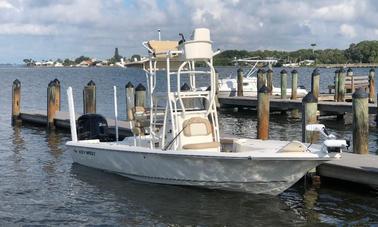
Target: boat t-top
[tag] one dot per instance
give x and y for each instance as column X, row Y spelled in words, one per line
column 177, row 140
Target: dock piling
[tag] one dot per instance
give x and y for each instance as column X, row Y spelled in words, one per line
column 269, row 80
column 89, row 98
column 283, row 84
column 51, row 104
column 140, row 95
column 16, row 101
column 188, row 103
column 261, row 79
column 341, row 87
column 315, row 80
column 240, row 82
column 350, row 75
column 372, row 85
column 263, row 113
column 337, row 72
column 360, row 122
column 58, row 93
column 294, row 85
column 130, row 100
column 309, row 109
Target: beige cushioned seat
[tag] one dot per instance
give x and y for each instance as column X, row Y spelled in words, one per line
column 198, row 127
column 201, row 145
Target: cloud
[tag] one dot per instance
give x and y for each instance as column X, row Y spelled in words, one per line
column 95, row 27
column 347, row 31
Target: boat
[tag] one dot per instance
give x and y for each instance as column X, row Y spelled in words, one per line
column 228, row 87
column 182, row 144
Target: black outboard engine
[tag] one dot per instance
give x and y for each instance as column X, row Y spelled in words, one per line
column 92, row 126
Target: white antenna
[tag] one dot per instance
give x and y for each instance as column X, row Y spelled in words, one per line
column 159, row 34
column 115, row 111
column 72, row 114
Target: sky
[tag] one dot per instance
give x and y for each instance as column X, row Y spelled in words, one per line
column 51, row 29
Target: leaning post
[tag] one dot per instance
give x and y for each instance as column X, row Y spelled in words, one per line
column 360, row 122
column 283, row 84
column 263, row 113
column 16, row 101
column 140, row 95
column 315, row 80
column 341, row 91
column 89, row 98
column 309, row 109
column 130, row 99
column 51, row 104
column 372, row 85
column 240, row 82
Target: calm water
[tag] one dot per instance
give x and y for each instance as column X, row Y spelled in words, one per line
column 41, row 185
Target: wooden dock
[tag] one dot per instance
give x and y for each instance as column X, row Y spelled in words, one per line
column 287, row 104
column 356, row 168
column 62, row 121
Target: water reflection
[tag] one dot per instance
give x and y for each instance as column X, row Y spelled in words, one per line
column 174, row 205
column 53, row 143
column 18, row 142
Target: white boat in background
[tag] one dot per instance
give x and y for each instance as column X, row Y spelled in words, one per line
column 185, row 147
column 229, row 86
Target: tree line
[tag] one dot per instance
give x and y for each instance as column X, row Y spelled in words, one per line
column 362, row 52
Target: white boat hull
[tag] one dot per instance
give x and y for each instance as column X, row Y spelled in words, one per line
column 244, row 174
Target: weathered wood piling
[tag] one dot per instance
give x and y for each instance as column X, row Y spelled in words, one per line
column 350, row 75
column 140, row 95
column 372, row 86
column 309, row 109
column 240, row 82
column 130, row 100
column 58, row 93
column 283, row 84
column 263, row 113
column 89, row 98
column 269, row 80
column 261, row 79
column 315, row 81
column 360, row 122
column 341, row 87
column 337, row 72
column 294, row 85
column 16, row 101
column 52, row 100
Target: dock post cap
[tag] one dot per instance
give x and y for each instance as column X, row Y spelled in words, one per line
column 360, row 94
column 350, row 70
column 342, row 70
column 240, row 69
column 269, row 71
column 264, row 89
column 316, row 72
column 51, row 83
column 16, row 83
column 56, row 81
column 208, row 88
column 129, row 85
column 91, row 83
column 260, row 71
column 372, row 70
column 283, row 71
column 309, row 98
column 337, row 71
column 140, row 87
column 294, row 71
column 185, row 87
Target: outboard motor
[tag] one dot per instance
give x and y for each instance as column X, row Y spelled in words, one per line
column 92, row 126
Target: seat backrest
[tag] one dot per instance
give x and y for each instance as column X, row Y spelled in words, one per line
column 197, row 126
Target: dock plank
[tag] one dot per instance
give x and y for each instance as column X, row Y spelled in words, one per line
column 351, row 167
